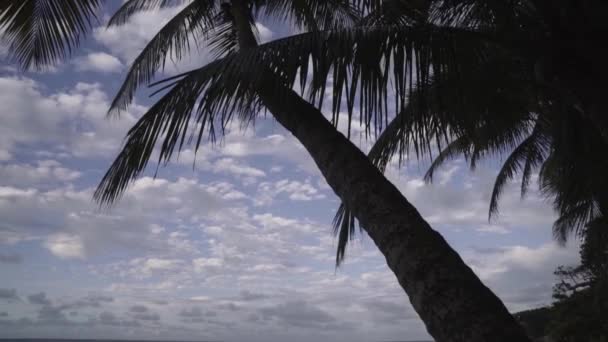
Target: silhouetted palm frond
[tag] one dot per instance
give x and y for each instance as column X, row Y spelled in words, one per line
column 526, row 156
column 39, row 33
column 173, row 40
column 202, row 101
column 311, row 15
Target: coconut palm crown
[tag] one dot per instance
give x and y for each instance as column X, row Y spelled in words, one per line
column 531, row 93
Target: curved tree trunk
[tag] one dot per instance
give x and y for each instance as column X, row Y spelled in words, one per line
column 444, row 291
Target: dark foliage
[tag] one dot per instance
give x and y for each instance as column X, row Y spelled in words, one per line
column 39, row 33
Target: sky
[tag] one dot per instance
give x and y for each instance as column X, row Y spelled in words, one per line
column 234, row 247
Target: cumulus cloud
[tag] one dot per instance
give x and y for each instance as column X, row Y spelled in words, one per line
column 62, row 123
column 280, row 146
column 66, row 246
column 231, row 166
column 43, row 171
column 522, row 276
column 462, row 205
column 128, row 40
column 98, row 61
column 293, row 189
column 208, row 265
column 73, row 227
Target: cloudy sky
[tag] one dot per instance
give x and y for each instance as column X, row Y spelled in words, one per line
column 237, row 247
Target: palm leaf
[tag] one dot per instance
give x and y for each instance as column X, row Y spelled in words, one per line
column 461, row 146
column 198, row 102
column 516, row 162
column 361, row 64
column 192, row 22
column 344, row 224
column 397, row 12
column 493, row 14
column 436, row 114
column 574, row 220
column 312, row 15
column 40, row 33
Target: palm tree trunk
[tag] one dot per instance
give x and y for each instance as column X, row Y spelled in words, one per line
column 448, row 296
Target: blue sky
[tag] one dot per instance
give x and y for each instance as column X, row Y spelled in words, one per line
column 238, row 246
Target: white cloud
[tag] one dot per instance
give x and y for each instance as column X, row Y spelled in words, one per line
column 295, row 191
column 459, row 200
column 65, row 246
column 42, row 171
column 11, row 192
column 207, row 265
column 226, row 190
column 129, row 39
column 70, row 121
column 156, row 264
column 489, row 228
column 98, row 61
column 231, row 166
column 133, row 225
column 282, row 147
column 522, row 276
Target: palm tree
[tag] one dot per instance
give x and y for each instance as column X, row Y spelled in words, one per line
column 247, row 77
column 511, row 102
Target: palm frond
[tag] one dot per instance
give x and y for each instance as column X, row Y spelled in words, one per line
column 459, row 147
column 361, row 64
column 39, row 33
column 516, row 162
column 536, row 154
column 132, row 7
column 344, row 225
column 574, row 220
column 397, row 12
column 573, row 174
column 470, row 121
column 223, row 41
column 494, row 14
column 197, row 103
column 191, row 23
column 312, row 15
